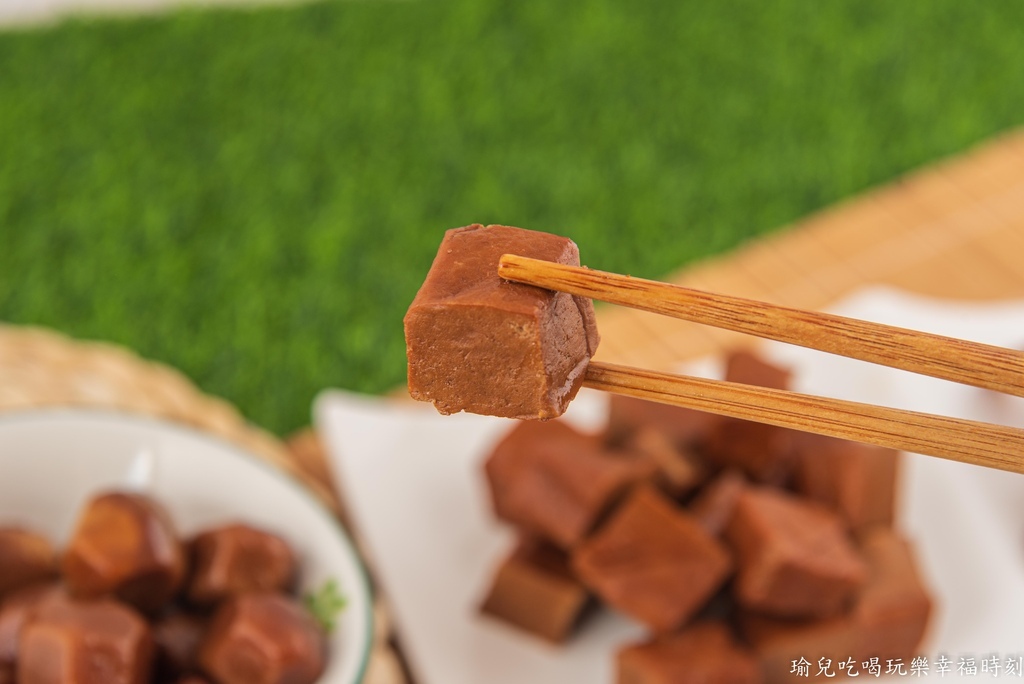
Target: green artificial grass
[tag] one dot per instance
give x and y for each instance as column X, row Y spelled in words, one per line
column 254, row 196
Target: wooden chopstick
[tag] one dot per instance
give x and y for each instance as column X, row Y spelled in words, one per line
column 967, row 441
column 969, row 363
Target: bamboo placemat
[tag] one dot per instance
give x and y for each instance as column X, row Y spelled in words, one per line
column 953, row 230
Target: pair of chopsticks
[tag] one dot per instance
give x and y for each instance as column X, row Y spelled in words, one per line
column 969, row 363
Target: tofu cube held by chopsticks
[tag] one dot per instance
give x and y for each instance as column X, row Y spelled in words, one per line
column 478, row 343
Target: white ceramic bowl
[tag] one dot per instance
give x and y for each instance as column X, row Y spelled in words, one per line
column 51, row 462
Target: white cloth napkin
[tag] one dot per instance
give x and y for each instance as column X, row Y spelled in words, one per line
column 413, row 481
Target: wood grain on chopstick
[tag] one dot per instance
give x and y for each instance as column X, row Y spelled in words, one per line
column 967, row 441
column 969, row 363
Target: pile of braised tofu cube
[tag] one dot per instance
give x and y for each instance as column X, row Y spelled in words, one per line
column 747, row 550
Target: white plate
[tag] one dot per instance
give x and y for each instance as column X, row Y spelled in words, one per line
column 414, row 483
column 52, row 461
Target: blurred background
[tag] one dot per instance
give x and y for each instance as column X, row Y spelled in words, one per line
column 254, row 194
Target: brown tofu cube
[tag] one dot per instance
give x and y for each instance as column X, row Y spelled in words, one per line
column 780, row 642
column 85, row 642
column 858, row 480
column 476, row 342
column 747, row 368
column 894, row 607
column 888, row 619
column 713, row 506
column 15, row 612
column 653, row 561
column 263, row 639
column 25, row 558
column 684, row 427
column 705, row 653
column 766, row 453
column 555, row 482
column 675, row 470
column 177, row 638
column 238, row 559
column 535, row 590
column 794, row 557
column 124, row 545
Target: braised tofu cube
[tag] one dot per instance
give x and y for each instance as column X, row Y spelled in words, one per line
column 713, row 505
column 766, row 453
column 263, row 639
column 15, row 612
column 178, row 636
column 238, row 559
column 683, row 427
column 747, row 368
column 555, row 482
column 795, row 558
column 779, row 643
column 858, row 480
column 476, row 342
column 653, row 561
column 125, row 545
column 887, row 621
column 25, row 558
column 676, row 470
column 85, row 642
column 894, row 607
column 705, row 653
column 535, row 590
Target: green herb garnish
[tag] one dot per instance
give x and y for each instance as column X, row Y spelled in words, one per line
column 326, row 604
